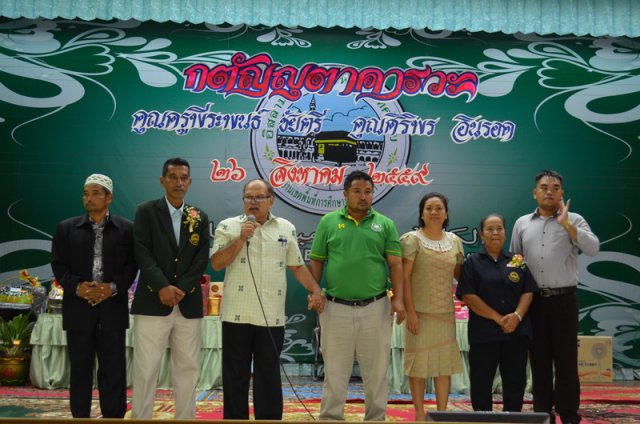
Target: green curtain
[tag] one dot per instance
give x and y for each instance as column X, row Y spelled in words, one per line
column 579, row 17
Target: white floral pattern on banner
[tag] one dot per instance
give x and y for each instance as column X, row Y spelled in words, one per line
column 611, row 71
column 105, row 43
column 294, row 348
column 284, row 37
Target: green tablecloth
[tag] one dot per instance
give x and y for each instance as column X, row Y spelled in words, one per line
column 398, row 383
column 50, row 361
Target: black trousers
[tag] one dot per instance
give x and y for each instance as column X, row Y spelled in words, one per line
column 109, row 347
column 555, row 348
column 243, row 344
column 484, row 359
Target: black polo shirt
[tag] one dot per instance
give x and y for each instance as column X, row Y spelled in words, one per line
column 499, row 286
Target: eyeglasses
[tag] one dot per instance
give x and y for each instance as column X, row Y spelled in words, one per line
column 256, row 199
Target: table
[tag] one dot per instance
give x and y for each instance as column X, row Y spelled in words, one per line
column 50, row 360
column 398, row 382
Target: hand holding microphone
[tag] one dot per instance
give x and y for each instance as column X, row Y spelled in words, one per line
column 248, row 228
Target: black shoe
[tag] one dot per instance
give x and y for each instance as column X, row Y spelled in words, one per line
column 575, row 419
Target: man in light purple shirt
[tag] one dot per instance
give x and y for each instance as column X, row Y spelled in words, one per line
column 550, row 239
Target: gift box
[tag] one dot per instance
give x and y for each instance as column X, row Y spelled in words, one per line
column 214, row 306
column 54, row 302
column 461, row 310
column 17, row 295
column 204, row 286
column 21, row 294
column 595, row 362
column 131, row 293
column 54, row 306
column 216, row 288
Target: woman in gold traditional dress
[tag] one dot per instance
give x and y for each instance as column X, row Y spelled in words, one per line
column 432, row 258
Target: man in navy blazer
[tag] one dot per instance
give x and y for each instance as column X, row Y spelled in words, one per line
column 172, row 250
column 92, row 258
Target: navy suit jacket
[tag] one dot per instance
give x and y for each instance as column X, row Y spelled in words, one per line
column 162, row 261
column 72, row 263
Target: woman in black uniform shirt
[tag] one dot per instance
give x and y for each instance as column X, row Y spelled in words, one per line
column 498, row 288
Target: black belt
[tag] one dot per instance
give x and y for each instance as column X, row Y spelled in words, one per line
column 548, row 292
column 357, row 302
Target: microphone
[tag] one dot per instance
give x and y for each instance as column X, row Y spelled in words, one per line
column 250, row 218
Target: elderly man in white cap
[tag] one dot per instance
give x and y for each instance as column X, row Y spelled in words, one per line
column 92, row 258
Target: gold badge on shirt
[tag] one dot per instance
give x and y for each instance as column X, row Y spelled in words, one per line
column 514, row 276
column 194, row 239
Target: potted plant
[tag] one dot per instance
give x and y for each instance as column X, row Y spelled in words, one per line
column 15, row 336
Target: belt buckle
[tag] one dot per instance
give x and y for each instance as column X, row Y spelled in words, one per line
column 545, row 292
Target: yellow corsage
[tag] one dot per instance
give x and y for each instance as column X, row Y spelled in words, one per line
column 192, row 218
column 517, row 261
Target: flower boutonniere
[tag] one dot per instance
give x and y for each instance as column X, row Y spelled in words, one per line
column 517, row 261
column 191, row 217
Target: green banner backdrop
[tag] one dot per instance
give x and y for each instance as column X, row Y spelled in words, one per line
column 472, row 115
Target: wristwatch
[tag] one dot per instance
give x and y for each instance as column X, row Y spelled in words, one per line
column 114, row 289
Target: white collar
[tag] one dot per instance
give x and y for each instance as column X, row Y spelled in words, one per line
column 172, row 209
column 443, row 245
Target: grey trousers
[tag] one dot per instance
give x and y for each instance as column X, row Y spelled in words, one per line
column 152, row 335
column 360, row 333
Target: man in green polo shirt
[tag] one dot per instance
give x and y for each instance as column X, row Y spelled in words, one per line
column 361, row 250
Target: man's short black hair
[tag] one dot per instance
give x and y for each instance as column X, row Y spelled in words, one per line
column 356, row 175
column 548, row 173
column 174, row 162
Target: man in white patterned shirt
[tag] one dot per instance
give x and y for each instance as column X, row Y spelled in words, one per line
column 256, row 248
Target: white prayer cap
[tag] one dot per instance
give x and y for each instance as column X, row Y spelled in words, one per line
column 100, row 179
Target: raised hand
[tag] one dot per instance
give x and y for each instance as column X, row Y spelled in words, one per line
column 563, row 216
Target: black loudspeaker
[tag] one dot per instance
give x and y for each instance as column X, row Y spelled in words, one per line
column 488, row 417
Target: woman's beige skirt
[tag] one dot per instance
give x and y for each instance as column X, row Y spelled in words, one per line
column 434, row 351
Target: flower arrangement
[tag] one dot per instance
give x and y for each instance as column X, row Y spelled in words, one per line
column 517, row 261
column 56, row 291
column 192, row 217
column 25, row 276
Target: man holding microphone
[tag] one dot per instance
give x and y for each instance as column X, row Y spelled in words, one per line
column 256, row 248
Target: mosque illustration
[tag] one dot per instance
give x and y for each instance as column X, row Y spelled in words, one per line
column 329, row 147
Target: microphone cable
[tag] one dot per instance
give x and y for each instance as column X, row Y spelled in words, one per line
column 273, row 340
